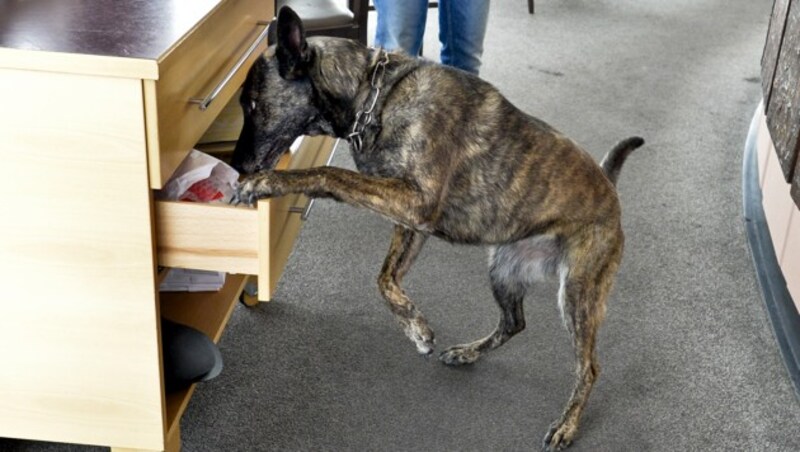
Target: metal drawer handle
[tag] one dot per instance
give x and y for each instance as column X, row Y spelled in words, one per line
column 303, row 211
column 306, row 211
column 203, row 103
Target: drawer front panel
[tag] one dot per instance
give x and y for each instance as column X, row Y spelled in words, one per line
column 207, row 236
column 192, row 70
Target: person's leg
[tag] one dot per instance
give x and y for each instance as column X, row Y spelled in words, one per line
column 462, row 27
column 401, row 24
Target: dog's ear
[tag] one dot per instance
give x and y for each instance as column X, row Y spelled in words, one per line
column 293, row 54
column 272, row 32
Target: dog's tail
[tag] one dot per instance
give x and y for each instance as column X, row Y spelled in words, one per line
column 613, row 161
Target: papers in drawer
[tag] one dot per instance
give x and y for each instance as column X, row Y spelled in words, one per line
column 185, row 280
column 200, row 178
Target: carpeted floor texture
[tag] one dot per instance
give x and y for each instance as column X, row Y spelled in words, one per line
column 688, row 357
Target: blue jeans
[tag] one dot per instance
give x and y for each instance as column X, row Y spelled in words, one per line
column 462, row 27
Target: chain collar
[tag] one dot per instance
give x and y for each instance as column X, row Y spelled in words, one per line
column 365, row 116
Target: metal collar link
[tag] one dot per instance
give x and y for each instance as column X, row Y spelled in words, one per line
column 365, row 116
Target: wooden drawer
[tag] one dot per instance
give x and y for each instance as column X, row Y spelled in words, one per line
column 251, row 241
column 213, row 57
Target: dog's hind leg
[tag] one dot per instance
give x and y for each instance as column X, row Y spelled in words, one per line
column 511, row 270
column 585, row 285
column 405, row 247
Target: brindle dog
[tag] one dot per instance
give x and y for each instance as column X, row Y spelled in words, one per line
column 441, row 152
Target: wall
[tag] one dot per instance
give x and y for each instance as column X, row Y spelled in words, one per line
column 780, row 72
column 783, row 215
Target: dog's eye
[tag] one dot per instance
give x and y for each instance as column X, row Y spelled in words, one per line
column 252, row 105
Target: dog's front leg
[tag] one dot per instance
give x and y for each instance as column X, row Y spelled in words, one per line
column 405, row 247
column 393, row 198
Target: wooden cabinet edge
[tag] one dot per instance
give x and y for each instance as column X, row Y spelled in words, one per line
column 69, row 63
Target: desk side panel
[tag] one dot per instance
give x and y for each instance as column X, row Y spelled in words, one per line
column 78, row 315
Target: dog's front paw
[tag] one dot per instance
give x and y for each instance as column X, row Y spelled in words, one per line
column 421, row 335
column 256, row 186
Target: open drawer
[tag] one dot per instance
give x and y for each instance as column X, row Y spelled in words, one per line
column 237, row 239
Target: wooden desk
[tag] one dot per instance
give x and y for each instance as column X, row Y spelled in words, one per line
column 95, row 113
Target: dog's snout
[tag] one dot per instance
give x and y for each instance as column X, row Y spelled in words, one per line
column 246, row 168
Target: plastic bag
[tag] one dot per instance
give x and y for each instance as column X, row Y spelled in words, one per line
column 201, row 178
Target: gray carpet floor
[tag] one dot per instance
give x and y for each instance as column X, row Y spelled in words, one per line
column 689, row 360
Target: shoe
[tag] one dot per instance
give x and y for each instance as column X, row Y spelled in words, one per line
column 189, row 356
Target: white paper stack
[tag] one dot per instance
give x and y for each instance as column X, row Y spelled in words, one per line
column 183, row 280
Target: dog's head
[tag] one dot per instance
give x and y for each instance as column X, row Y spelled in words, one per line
column 277, row 98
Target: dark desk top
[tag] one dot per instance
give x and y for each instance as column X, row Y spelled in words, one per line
column 121, row 38
column 143, row 29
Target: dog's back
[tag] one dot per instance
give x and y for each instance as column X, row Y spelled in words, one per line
column 480, row 160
